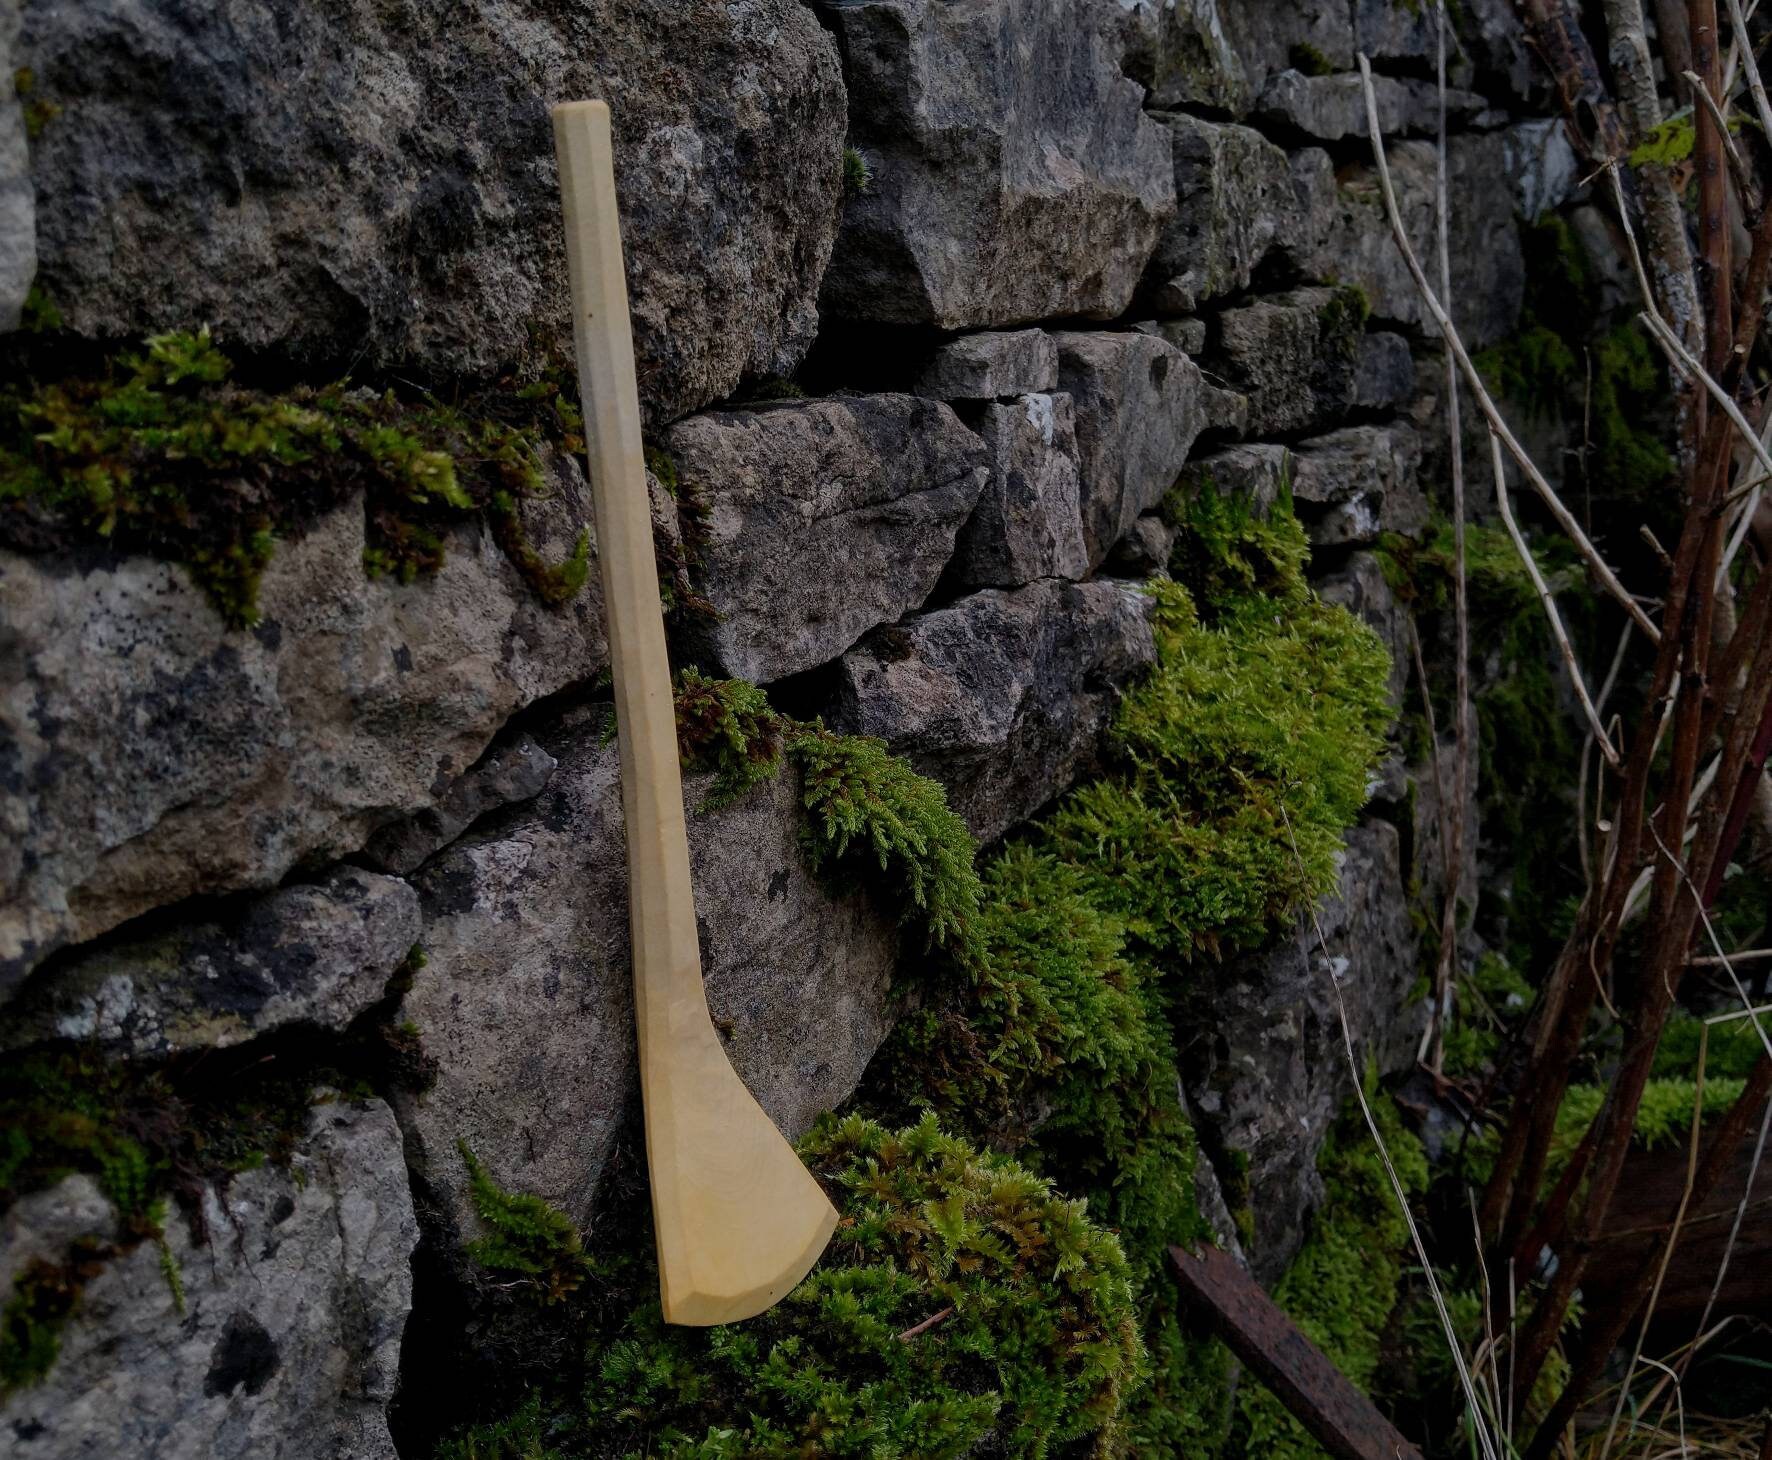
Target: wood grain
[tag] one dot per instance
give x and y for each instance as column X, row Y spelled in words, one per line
column 739, row 1221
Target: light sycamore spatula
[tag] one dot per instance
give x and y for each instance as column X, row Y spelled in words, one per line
column 738, row 1219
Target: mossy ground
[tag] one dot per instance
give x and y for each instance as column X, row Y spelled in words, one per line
column 157, row 451
column 1041, row 1060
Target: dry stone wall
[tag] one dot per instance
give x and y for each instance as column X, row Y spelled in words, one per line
column 1104, row 248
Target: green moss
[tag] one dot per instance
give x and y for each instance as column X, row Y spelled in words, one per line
column 1670, row 142
column 858, row 177
column 161, row 453
column 1241, row 760
column 1345, row 1281
column 868, row 813
column 727, row 726
column 38, row 110
column 1031, row 1346
column 44, row 1296
column 1310, row 60
column 39, row 315
column 524, row 1237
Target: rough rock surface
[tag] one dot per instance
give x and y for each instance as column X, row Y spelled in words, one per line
column 1277, row 35
column 316, row 954
column 1355, row 483
column 1333, row 108
column 1358, row 248
column 1015, row 174
column 1028, row 523
column 1138, row 412
column 1268, row 1076
column 820, row 520
column 1384, row 373
column 1230, row 186
column 1359, row 586
column 375, row 181
column 18, row 208
column 1001, row 696
column 526, row 996
column 1143, row 550
column 510, row 772
column 992, row 366
column 148, row 752
column 1180, row 51
column 1293, row 355
column 288, row 1343
column 1258, row 474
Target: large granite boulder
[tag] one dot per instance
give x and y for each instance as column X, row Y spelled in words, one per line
column 1002, row 697
column 817, row 520
column 1015, row 175
column 313, row 954
column 1139, row 408
column 285, row 1342
column 149, row 753
column 368, row 181
column 1266, row 1075
column 526, row 998
column 18, row 207
column 1234, row 193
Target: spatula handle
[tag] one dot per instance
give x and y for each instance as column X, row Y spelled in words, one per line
column 667, row 962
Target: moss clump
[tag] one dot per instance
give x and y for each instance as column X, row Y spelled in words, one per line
column 45, row 1295
column 160, row 453
column 858, row 177
column 525, row 1237
column 1244, row 756
column 870, row 819
column 1030, row 1349
column 1345, row 1281
column 1310, row 60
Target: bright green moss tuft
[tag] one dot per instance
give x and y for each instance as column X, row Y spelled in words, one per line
column 161, row 453
column 525, row 1237
column 858, row 177
column 1030, row 1349
column 728, row 726
column 869, row 813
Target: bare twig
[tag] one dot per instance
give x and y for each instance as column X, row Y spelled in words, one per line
column 1497, row 424
column 925, row 1325
column 1750, row 194
column 1545, row 597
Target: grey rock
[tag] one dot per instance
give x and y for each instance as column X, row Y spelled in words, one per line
column 1002, row 697
column 991, row 366
column 1542, row 165
column 1139, row 409
column 1293, row 355
column 1492, row 36
column 1269, row 1076
column 1226, row 412
column 1429, row 871
column 1276, row 35
column 526, row 995
column 1384, row 373
column 1231, row 185
column 18, row 206
column 1145, row 549
column 315, row 955
column 1358, row 584
column 1258, row 474
column 149, row 753
column 1187, row 335
column 512, row 771
column 42, row 1225
column 1015, row 174
column 820, row 520
column 1400, row 30
column 1181, row 53
column 1486, row 261
column 1303, row 222
column 1028, row 523
column 375, row 181
column 288, row 1343
column 1333, row 108
column 1355, row 483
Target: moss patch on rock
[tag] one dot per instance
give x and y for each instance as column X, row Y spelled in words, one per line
column 159, row 452
column 961, row 1306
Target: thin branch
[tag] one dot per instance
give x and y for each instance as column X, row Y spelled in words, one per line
column 1750, row 195
column 1472, row 378
column 1555, row 619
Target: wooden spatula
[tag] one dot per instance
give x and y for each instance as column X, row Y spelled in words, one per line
column 738, row 1219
